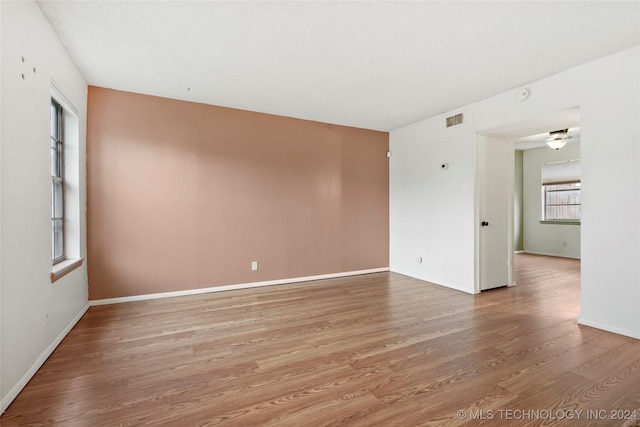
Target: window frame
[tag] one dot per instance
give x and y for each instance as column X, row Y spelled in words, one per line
column 56, row 145
column 547, row 188
column 70, row 172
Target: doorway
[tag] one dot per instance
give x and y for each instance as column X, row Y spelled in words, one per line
column 525, row 221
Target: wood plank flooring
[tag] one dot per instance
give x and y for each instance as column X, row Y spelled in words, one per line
column 373, row 350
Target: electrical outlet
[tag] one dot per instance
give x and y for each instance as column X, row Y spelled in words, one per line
column 254, row 265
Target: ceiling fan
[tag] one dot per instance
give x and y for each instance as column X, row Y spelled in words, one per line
column 558, row 139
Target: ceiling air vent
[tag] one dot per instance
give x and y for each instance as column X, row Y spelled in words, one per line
column 458, row 119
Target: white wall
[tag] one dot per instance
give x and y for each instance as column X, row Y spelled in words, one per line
column 546, row 239
column 433, row 213
column 25, row 259
column 432, row 210
column 518, row 214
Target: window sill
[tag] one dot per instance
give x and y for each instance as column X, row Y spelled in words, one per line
column 561, row 222
column 65, row 267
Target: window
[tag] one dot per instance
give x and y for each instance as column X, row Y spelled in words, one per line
column 66, row 189
column 562, row 202
column 57, row 183
column 561, row 191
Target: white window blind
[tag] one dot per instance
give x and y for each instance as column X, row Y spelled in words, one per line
column 564, row 172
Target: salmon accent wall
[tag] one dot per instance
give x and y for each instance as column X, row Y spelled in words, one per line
column 184, row 196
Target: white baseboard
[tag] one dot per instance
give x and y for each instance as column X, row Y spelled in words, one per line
column 16, row 389
column 233, row 287
column 608, row 328
column 550, row 254
column 428, row 280
column 518, row 252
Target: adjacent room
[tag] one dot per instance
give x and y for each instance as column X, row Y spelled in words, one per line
column 319, row 213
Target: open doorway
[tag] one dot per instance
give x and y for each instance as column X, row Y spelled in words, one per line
column 545, row 188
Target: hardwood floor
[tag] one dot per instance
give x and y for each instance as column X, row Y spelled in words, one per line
column 374, row 350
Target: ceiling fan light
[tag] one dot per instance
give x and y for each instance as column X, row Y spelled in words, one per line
column 556, row 143
column 558, row 139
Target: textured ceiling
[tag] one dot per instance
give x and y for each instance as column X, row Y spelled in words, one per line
column 375, row 65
